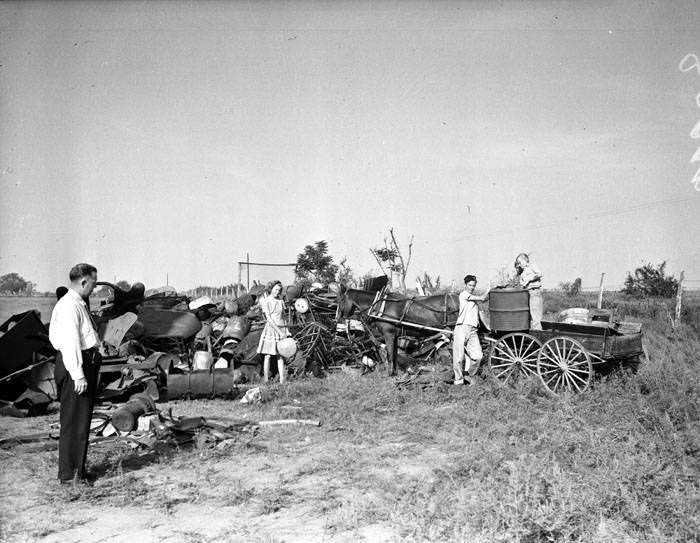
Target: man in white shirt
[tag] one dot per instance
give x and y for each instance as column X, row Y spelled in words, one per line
column 530, row 279
column 465, row 333
column 73, row 335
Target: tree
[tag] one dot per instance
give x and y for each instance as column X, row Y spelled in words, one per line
column 391, row 260
column 428, row 284
column 13, row 283
column 345, row 274
column 571, row 289
column 650, row 281
column 315, row 264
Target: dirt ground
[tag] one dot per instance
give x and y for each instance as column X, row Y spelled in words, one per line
column 297, row 483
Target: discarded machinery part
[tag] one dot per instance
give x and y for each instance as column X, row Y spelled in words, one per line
column 291, row 293
column 200, row 384
column 115, row 329
column 282, row 422
column 203, row 301
column 162, row 323
column 205, row 331
column 21, row 336
column 287, row 347
column 230, row 307
column 126, row 417
column 301, row 305
column 237, row 328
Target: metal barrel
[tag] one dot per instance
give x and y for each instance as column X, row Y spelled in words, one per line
column 509, row 310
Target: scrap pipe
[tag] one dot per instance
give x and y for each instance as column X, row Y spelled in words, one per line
column 125, row 419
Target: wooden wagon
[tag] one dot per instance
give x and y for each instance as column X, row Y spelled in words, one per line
column 564, row 356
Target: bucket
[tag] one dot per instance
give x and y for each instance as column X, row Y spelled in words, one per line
column 203, row 360
column 287, row 347
column 291, row 293
column 509, row 309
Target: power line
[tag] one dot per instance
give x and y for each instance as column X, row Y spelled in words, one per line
column 599, row 214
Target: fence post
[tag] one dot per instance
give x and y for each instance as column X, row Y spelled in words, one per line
column 679, row 296
column 600, row 290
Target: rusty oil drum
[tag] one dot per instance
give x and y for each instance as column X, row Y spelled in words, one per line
column 509, row 309
column 237, row 328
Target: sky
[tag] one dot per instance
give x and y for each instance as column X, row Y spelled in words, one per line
column 170, row 140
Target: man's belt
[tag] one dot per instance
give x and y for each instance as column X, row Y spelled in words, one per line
column 91, row 355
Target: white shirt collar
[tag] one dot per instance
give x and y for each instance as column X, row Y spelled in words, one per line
column 77, row 297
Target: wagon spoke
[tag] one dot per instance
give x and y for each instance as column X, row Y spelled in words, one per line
column 552, row 378
column 501, row 357
column 553, row 356
column 556, row 344
column 548, row 368
column 573, row 383
column 531, row 356
column 552, row 360
column 510, row 351
column 507, row 370
column 574, row 376
column 559, row 380
column 555, row 370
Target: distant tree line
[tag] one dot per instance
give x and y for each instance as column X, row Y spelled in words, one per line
column 14, row 283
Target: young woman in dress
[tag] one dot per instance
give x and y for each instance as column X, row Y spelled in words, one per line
column 275, row 329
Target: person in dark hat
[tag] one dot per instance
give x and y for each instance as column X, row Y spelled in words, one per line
column 61, row 292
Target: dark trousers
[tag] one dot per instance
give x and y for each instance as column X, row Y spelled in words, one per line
column 76, row 414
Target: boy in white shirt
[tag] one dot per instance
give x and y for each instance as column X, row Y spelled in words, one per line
column 465, row 333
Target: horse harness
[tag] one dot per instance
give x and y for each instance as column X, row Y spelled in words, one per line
column 382, row 297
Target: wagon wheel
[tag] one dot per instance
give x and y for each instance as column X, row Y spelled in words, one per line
column 564, row 364
column 514, row 356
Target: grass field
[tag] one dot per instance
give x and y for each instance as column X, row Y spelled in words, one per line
column 11, row 305
column 620, row 462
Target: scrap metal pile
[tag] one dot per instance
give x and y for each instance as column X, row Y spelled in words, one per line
column 166, row 346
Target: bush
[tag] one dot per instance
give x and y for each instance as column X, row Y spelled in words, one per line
column 571, row 289
column 650, row 281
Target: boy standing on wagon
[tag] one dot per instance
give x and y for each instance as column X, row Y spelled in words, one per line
column 530, row 279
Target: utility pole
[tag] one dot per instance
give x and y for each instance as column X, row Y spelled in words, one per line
column 247, row 271
column 600, row 290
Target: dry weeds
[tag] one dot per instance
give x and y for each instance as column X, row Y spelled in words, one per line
column 620, row 462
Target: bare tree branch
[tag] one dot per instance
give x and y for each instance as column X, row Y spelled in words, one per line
column 381, row 267
column 410, row 253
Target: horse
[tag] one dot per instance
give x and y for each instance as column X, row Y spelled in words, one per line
column 391, row 313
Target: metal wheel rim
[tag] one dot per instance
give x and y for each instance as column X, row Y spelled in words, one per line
column 564, row 365
column 514, row 356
